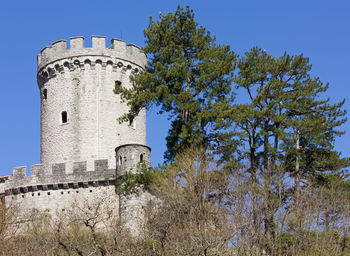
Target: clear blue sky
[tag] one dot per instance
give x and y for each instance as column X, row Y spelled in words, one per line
column 318, row 29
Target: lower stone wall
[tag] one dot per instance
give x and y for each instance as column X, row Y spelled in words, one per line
column 88, row 195
column 57, row 192
column 61, row 200
column 132, row 211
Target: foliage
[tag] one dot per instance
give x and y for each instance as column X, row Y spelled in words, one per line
column 282, row 189
column 187, row 220
column 285, row 105
column 191, row 217
column 134, row 182
column 287, row 129
column 188, row 76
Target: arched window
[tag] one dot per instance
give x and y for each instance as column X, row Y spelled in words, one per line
column 64, row 117
column 141, row 158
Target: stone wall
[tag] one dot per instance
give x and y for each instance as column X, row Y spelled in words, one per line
column 131, row 207
column 58, row 189
column 80, row 81
column 79, row 126
column 130, row 155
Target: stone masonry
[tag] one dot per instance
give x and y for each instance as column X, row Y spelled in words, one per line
column 83, row 147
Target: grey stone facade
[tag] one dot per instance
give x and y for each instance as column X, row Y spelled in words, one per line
column 83, row 147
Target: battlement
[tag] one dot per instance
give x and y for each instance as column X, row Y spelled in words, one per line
column 117, row 50
column 59, row 175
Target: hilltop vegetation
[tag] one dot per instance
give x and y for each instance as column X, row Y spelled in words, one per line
column 251, row 166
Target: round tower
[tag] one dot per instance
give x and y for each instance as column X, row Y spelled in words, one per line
column 131, row 207
column 128, row 157
column 79, row 109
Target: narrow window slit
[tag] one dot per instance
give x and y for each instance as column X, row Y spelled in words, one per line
column 45, row 94
column 132, row 123
column 64, row 117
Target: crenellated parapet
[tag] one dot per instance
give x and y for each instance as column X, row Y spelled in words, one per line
column 118, row 52
column 59, row 177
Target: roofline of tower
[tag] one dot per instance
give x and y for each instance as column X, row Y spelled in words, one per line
column 132, row 144
column 118, row 48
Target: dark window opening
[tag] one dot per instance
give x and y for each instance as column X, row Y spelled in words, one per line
column 64, row 117
column 132, row 123
column 120, row 160
column 141, row 158
column 45, row 94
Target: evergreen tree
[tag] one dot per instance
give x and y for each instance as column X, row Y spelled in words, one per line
column 188, row 76
column 284, row 124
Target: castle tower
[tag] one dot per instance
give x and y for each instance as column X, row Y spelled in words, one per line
column 79, row 109
column 80, row 132
column 128, row 156
column 131, row 207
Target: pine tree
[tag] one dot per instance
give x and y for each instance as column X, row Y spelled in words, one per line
column 285, row 124
column 188, row 76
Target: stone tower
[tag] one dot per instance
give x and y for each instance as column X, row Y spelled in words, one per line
column 83, row 147
column 131, row 207
column 79, row 109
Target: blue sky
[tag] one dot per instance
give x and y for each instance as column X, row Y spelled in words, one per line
column 318, row 29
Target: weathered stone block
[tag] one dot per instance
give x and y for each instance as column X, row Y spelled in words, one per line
column 59, row 169
column 37, row 170
column 76, row 42
column 101, row 165
column 79, row 167
column 19, row 172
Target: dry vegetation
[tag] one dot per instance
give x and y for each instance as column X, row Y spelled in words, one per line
column 202, row 210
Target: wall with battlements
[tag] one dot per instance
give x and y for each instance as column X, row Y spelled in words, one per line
column 59, row 188
column 80, row 81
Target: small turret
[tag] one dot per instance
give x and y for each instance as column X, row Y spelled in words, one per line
column 131, row 207
column 129, row 156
